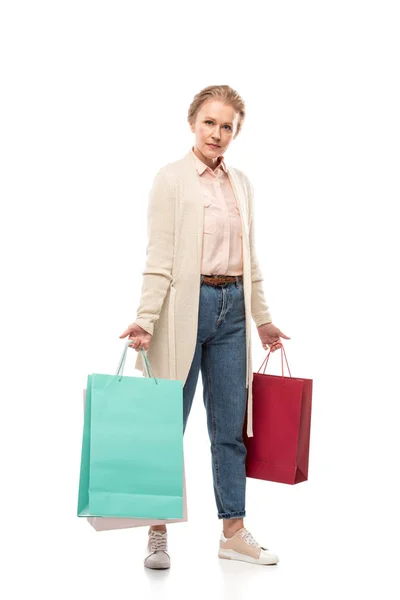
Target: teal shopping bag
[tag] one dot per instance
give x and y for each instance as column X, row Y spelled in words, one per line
column 132, row 446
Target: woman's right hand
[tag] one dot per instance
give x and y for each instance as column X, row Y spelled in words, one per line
column 140, row 338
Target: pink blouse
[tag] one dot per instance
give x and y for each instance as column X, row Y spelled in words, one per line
column 222, row 235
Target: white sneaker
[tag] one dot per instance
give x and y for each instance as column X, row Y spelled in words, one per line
column 157, row 556
column 242, row 546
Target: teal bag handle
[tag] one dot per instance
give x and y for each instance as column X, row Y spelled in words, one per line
column 120, row 368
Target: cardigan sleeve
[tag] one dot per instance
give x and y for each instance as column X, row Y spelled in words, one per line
column 159, row 253
column 259, row 309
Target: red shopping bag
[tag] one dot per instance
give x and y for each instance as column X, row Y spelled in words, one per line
column 279, row 448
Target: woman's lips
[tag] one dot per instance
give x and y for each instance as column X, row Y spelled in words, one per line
column 212, row 146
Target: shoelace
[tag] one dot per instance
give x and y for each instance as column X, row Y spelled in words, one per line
column 158, row 541
column 248, row 538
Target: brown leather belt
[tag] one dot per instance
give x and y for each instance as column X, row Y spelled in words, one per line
column 220, row 279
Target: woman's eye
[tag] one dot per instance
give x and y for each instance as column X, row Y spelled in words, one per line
column 229, row 127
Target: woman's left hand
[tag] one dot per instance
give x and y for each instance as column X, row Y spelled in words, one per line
column 269, row 336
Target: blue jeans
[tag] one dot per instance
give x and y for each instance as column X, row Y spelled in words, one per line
column 221, row 355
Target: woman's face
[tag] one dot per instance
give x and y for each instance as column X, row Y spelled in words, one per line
column 216, row 124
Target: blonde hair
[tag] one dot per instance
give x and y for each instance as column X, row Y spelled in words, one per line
column 225, row 94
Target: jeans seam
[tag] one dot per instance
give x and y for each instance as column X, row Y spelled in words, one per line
column 224, row 306
column 213, row 430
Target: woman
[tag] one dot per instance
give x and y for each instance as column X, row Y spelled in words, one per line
column 201, row 287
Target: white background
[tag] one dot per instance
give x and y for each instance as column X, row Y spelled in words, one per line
column 94, row 100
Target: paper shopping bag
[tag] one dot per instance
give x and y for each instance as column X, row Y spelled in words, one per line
column 132, row 447
column 279, row 448
column 111, row 523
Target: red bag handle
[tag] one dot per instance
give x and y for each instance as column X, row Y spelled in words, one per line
column 267, row 358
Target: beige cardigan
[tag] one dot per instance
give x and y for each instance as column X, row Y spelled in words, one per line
column 170, row 292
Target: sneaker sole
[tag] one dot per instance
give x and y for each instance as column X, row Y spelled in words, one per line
column 155, row 566
column 232, row 555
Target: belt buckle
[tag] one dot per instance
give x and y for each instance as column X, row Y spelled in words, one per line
column 215, row 280
column 221, row 280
